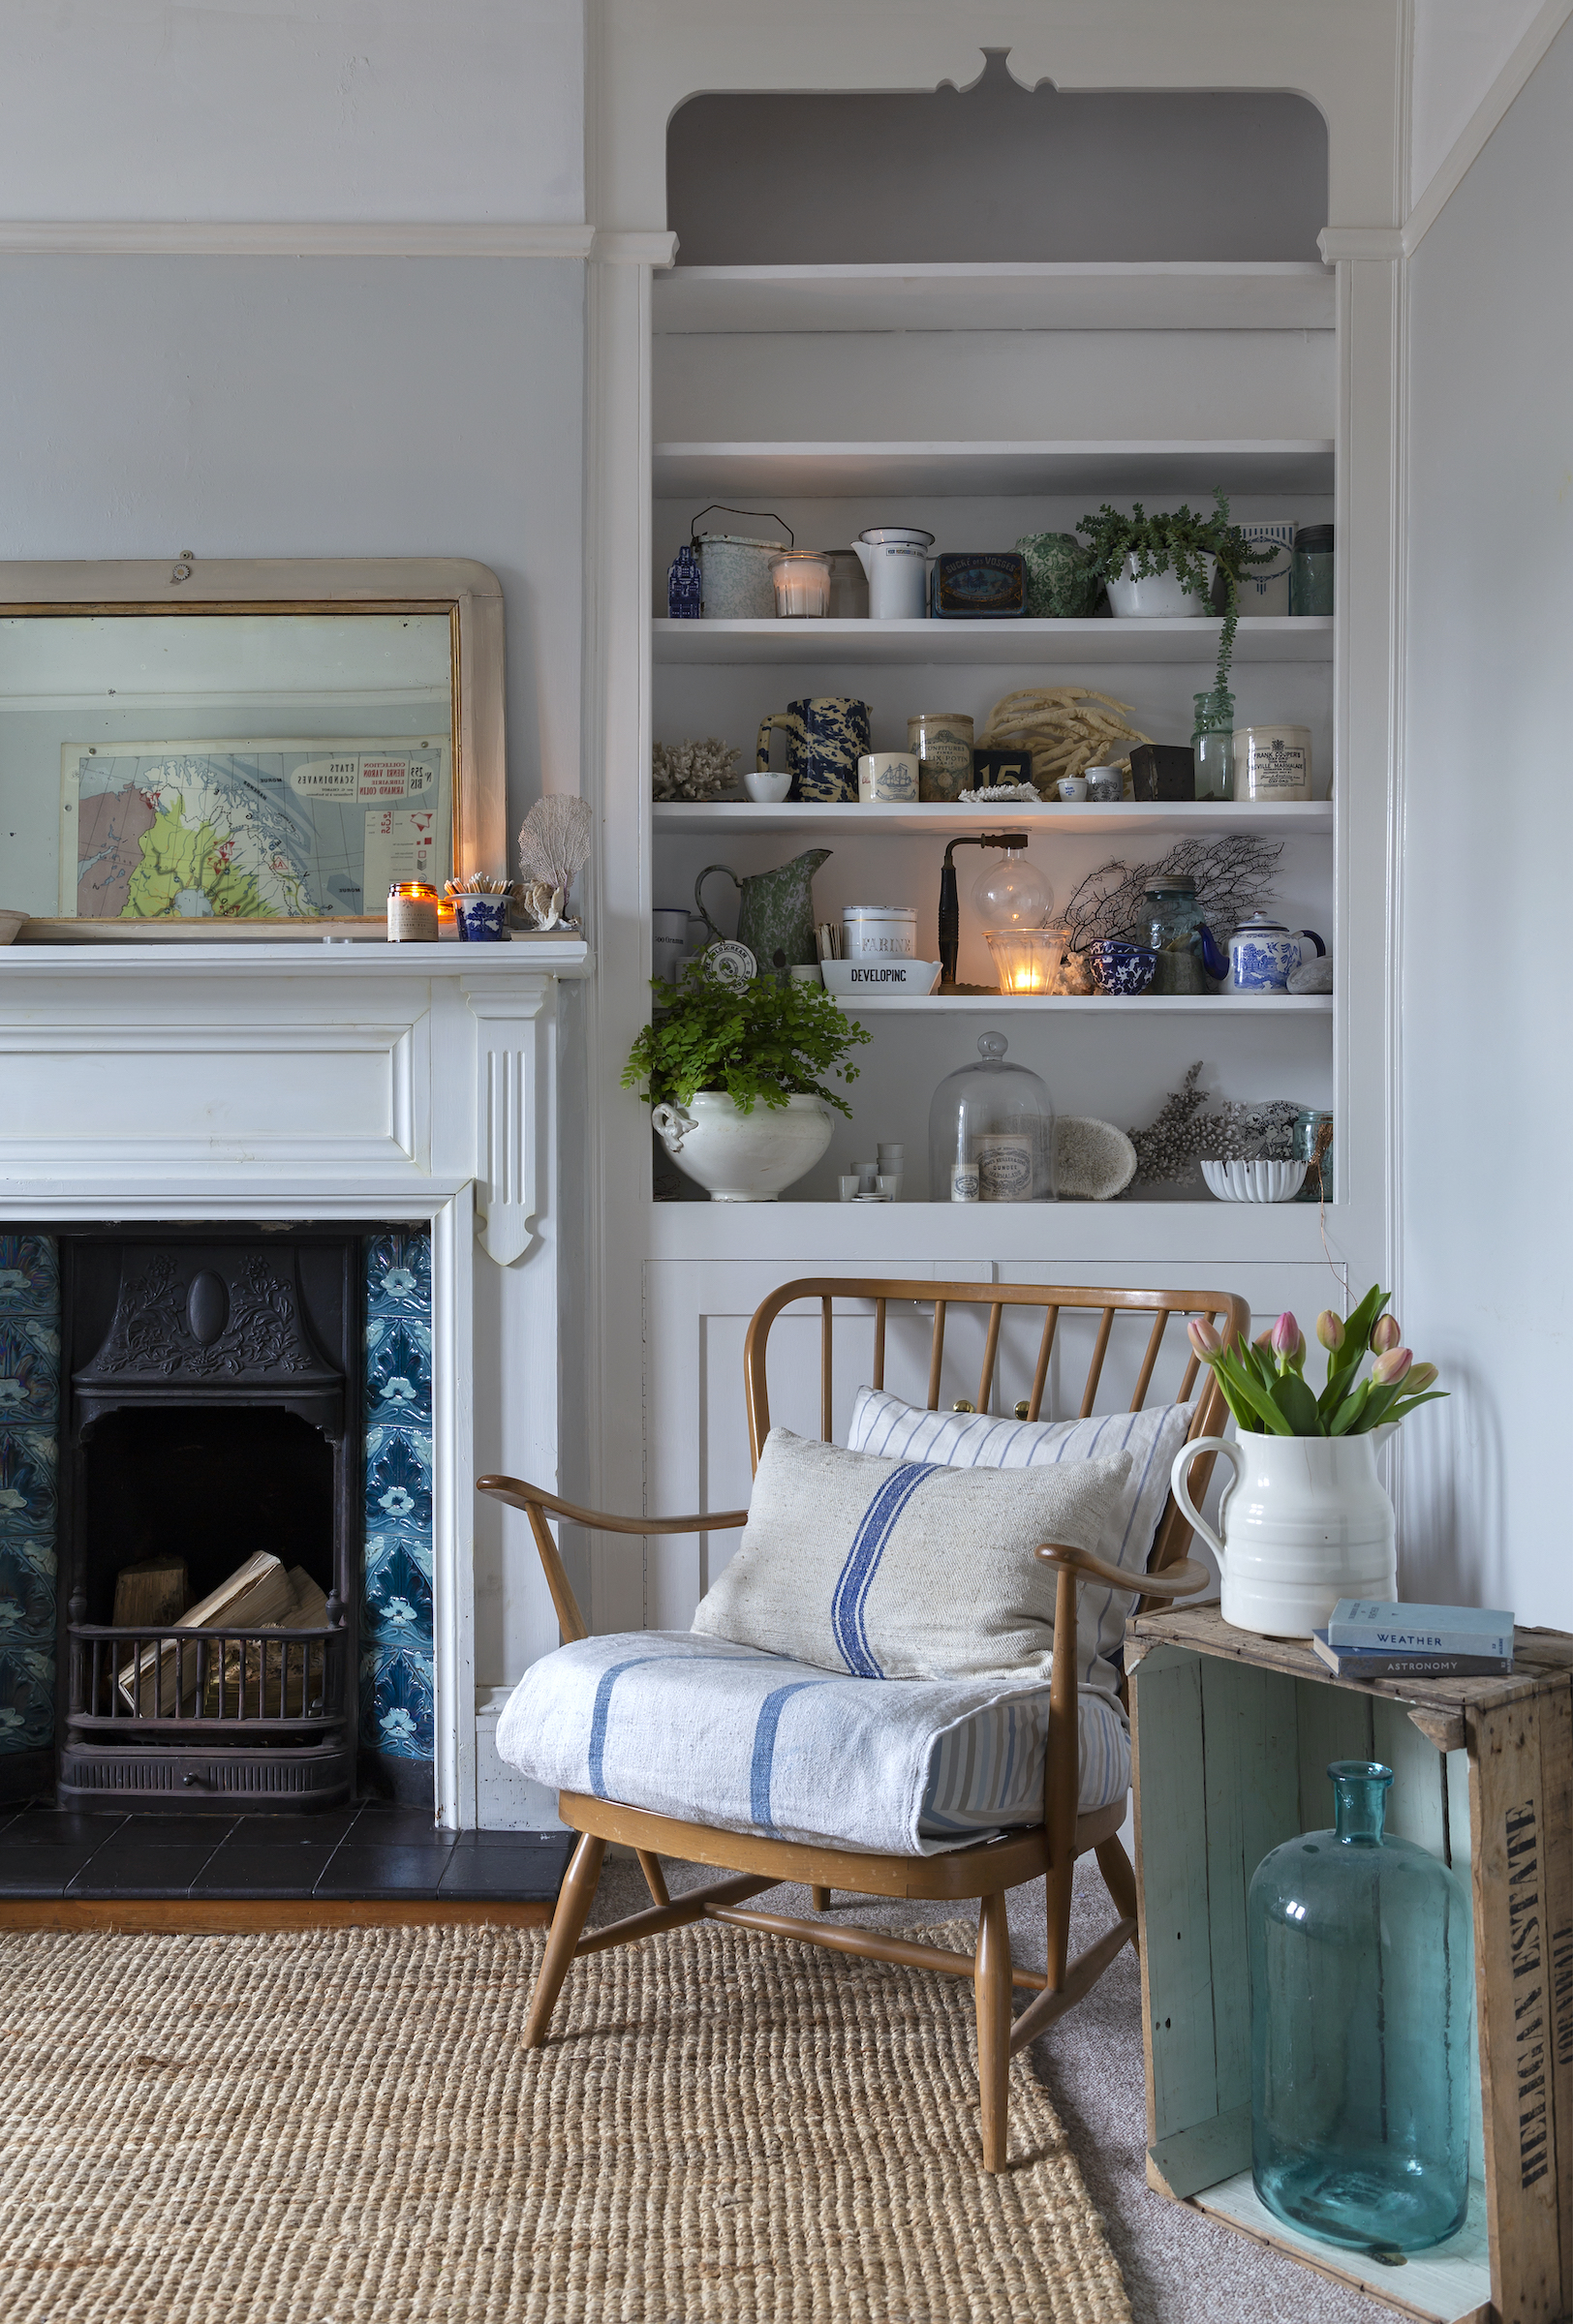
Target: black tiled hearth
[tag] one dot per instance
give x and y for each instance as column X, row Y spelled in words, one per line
column 370, row 1853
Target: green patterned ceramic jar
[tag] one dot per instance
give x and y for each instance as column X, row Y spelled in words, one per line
column 1060, row 587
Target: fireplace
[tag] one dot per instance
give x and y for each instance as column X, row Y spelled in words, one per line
column 210, row 1429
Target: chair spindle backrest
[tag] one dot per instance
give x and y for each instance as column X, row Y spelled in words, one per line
column 1224, row 1309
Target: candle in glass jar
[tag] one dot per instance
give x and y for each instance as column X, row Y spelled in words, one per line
column 411, row 912
column 802, row 582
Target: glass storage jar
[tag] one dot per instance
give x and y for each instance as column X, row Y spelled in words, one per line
column 1211, row 745
column 1172, row 923
column 1361, row 2008
column 1313, row 1129
column 995, row 1120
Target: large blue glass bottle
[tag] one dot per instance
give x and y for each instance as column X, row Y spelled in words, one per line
column 1360, row 2009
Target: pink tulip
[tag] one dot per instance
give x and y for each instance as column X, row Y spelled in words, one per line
column 1204, row 1339
column 1392, row 1366
column 1287, row 1337
column 1330, row 1329
column 1420, row 1378
column 1385, row 1335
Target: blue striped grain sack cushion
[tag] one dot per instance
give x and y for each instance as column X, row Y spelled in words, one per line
column 882, row 1423
column 905, row 1568
column 750, row 1742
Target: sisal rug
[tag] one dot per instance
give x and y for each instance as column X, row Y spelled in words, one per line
column 340, row 2125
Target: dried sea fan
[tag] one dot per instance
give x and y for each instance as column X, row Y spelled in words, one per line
column 554, row 848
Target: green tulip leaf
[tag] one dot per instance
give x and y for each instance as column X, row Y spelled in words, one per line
column 1297, row 1404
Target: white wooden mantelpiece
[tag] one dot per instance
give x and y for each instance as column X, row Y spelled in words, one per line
column 353, row 1079
column 274, row 1080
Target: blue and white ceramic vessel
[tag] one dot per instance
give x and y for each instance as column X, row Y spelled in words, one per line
column 1121, row 967
column 1264, row 954
column 481, row 919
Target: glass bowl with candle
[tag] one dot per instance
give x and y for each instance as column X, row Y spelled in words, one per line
column 802, row 583
column 1027, row 959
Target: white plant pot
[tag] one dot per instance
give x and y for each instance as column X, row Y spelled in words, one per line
column 742, row 1157
column 1156, row 596
column 1305, row 1522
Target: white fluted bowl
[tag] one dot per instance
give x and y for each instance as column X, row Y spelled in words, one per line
column 1255, row 1181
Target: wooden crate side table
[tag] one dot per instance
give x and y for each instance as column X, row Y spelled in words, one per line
column 1231, row 1735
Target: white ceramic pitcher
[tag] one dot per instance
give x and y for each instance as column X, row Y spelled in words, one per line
column 1305, row 1522
column 893, row 558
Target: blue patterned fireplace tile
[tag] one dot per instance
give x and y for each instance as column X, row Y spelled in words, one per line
column 397, row 1672
column 29, row 1468
column 396, row 1702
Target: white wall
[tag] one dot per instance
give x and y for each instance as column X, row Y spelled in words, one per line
column 1459, row 46
column 1487, row 1091
column 402, row 109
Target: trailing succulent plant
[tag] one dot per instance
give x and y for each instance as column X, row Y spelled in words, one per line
column 1179, row 543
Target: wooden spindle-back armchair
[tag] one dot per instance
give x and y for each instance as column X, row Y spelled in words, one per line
column 987, row 1870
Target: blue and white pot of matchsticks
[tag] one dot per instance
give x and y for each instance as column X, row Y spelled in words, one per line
column 481, row 919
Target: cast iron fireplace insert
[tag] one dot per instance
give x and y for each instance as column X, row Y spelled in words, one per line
column 211, row 1409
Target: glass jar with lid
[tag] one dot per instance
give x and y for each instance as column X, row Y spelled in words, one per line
column 1211, row 745
column 991, row 1132
column 1190, row 958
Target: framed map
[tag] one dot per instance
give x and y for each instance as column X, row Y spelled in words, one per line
column 251, row 830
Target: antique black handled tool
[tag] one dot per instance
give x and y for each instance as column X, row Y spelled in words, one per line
column 950, row 908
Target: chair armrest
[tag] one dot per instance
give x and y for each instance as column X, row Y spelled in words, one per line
column 520, row 1495
column 1175, row 1582
column 536, row 1502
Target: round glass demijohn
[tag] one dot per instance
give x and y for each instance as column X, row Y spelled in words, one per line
column 1362, row 1997
column 998, row 1118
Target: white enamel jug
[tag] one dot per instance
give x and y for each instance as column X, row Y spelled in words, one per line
column 1305, row 1522
column 893, row 558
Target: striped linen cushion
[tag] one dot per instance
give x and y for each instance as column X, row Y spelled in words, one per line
column 882, row 1423
column 902, row 1569
column 752, row 1742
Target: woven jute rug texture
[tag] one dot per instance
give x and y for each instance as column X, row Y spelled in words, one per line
column 341, row 2126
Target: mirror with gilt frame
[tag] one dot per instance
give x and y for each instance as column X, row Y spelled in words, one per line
column 248, row 748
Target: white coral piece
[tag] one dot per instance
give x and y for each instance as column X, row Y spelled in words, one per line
column 554, row 842
column 692, row 771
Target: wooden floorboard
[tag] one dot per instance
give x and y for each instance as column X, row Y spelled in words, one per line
column 242, row 1915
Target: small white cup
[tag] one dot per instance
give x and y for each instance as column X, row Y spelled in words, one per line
column 888, row 1183
column 964, row 1181
column 847, row 1188
column 1071, row 787
column 765, row 788
column 867, row 1173
column 888, row 779
column 668, row 942
column 891, row 1157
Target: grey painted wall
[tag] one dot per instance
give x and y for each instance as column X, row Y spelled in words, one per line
column 1487, row 1093
column 314, row 408
column 997, row 172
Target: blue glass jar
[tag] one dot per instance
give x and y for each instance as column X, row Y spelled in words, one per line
column 1361, row 2000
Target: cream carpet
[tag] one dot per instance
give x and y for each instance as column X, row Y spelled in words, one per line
column 341, row 2127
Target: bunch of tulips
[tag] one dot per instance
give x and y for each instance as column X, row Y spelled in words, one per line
column 1265, row 1386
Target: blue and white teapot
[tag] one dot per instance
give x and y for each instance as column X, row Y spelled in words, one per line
column 1263, row 953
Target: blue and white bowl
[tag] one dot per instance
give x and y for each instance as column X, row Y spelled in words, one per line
column 1120, row 967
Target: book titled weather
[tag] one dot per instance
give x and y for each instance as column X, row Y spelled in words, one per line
column 1383, row 1628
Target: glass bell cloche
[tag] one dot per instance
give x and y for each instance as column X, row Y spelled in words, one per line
column 991, row 1132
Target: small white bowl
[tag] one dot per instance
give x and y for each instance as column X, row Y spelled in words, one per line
column 1255, row 1181
column 853, row 980
column 765, row 788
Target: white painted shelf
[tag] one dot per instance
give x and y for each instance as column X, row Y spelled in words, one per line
column 1162, row 296
column 1060, row 1004
column 976, row 467
column 880, row 1236
column 1259, row 638
column 731, row 817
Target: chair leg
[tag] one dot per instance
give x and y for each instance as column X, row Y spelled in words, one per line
column 1120, row 1881
column 819, row 1898
column 576, row 1896
column 991, row 1987
column 655, row 1879
column 1056, row 1884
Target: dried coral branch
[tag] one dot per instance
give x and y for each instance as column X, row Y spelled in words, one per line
column 554, row 840
column 1068, row 728
column 1181, row 1134
column 692, row 771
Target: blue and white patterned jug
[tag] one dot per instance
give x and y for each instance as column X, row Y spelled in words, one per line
column 1263, row 953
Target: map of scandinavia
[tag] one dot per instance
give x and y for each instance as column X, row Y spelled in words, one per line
column 263, row 833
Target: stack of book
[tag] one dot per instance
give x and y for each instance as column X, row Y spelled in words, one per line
column 1371, row 1638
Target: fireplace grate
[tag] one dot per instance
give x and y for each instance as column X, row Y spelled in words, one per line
column 207, row 1686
